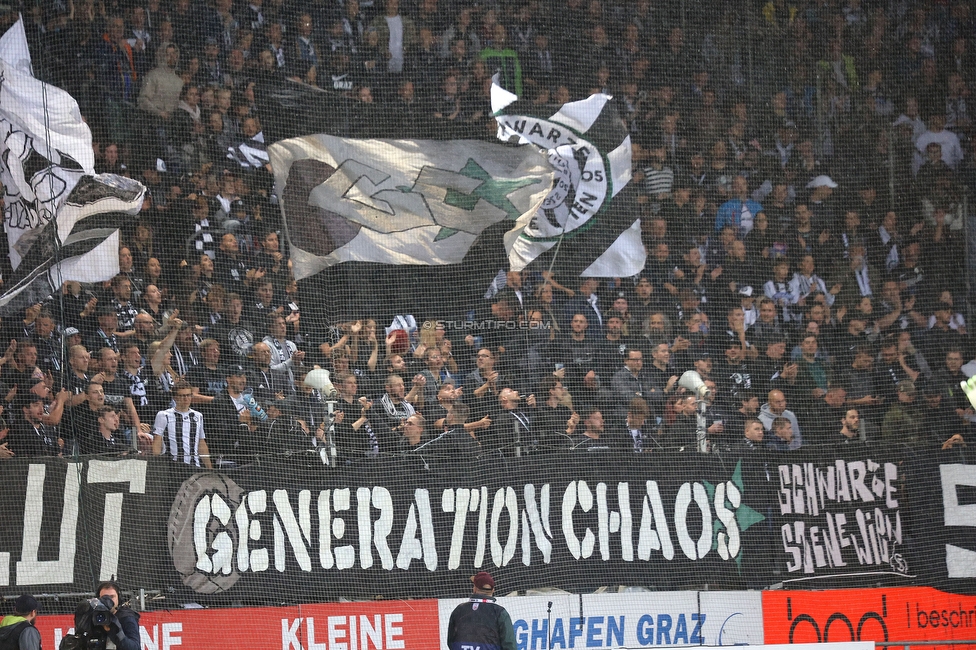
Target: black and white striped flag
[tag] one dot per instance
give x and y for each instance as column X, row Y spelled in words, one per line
column 61, row 220
column 588, row 224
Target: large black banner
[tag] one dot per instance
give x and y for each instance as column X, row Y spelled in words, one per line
column 290, row 529
column 842, row 515
column 943, row 521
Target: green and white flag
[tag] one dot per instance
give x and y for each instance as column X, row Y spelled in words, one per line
column 399, row 201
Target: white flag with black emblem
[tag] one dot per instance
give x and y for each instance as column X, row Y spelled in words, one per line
column 587, row 225
column 61, row 220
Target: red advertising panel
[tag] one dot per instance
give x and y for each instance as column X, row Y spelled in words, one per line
column 386, row 625
column 899, row 614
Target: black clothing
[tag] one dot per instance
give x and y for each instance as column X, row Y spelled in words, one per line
column 48, row 353
column 75, row 384
column 509, row 429
column 549, row 425
column 10, row 635
column 210, row 382
column 586, row 443
column 452, row 446
column 227, row 436
column 26, row 439
column 80, row 423
column 236, row 338
column 101, row 445
column 23, row 380
column 230, row 271
column 267, row 383
column 480, row 624
column 352, row 443
column 116, row 391
column 732, row 378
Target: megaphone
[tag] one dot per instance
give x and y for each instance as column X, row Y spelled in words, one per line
column 319, row 380
column 692, row 381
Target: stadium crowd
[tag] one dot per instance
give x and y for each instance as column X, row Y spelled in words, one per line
column 803, row 170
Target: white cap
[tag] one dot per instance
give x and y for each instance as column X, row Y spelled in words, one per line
column 821, row 181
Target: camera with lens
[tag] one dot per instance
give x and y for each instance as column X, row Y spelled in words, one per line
column 101, row 610
column 91, row 617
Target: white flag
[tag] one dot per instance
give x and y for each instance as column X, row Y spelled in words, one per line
column 45, row 150
column 587, row 225
column 399, row 201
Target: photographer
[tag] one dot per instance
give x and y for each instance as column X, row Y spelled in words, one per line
column 104, row 619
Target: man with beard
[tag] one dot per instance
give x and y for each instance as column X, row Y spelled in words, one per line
column 851, row 431
column 29, row 436
column 614, row 346
column 580, row 352
column 395, row 406
column 511, row 430
column 591, row 437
